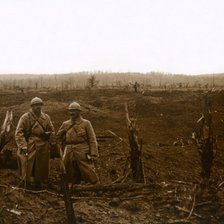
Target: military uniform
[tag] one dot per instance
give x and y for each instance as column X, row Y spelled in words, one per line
column 80, row 141
column 29, row 134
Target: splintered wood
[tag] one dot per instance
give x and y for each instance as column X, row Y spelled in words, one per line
column 5, row 136
column 136, row 150
column 205, row 140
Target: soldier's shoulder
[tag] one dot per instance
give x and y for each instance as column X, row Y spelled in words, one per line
column 85, row 121
column 67, row 123
column 45, row 115
column 25, row 115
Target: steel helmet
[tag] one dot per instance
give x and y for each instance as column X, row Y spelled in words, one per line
column 36, row 100
column 74, row 106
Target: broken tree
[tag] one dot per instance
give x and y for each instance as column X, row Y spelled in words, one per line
column 136, row 150
column 5, row 135
column 205, row 140
column 7, row 160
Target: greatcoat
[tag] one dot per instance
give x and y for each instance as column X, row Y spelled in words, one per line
column 29, row 133
column 79, row 141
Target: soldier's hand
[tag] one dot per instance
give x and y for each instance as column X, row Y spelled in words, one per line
column 94, row 157
column 24, row 150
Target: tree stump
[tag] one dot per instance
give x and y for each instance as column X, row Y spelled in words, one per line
column 205, row 141
column 136, row 150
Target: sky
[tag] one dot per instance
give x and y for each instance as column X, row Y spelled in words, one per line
column 63, row 36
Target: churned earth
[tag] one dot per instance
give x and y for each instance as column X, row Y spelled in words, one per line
column 165, row 121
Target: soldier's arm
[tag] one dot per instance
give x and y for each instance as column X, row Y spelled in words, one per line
column 61, row 133
column 92, row 139
column 20, row 132
column 51, row 126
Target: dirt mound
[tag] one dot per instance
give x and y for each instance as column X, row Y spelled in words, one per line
column 165, row 121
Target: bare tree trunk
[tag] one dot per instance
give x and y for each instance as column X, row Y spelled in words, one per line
column 205, row 141
column 5, row 135
column 135, row 152
column 6, row 157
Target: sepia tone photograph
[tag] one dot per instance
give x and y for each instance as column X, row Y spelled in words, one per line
column 112, row 112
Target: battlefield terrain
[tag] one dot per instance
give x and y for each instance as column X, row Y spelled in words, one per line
column 165, row 121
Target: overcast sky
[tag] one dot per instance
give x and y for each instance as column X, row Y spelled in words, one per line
column 61, row 36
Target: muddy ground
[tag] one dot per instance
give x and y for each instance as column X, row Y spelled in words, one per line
column 171, row 192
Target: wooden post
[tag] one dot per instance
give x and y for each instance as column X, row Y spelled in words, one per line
column 136, row 150
column 66, row 193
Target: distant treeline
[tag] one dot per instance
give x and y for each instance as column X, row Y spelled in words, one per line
column 109, row 80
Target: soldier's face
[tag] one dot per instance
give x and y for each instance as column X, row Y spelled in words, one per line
column 36, row 108
column 74, row 114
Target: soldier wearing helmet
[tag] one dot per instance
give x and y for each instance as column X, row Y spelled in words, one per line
column 32, row 137
column 80, row 147
column 74, row 106
column 36, row 100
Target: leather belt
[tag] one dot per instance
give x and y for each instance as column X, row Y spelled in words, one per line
column 35, row 135
column 74, row 143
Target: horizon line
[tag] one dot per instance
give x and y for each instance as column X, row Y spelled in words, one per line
column 112, row 72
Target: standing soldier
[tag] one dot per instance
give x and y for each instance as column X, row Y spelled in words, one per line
column 80, row 147
column 32, row 138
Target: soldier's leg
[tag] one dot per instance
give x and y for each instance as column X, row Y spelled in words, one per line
column 76, row 173
column 87, row 169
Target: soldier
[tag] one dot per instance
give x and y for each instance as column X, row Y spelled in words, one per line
column 80, row 147
column 32, row 138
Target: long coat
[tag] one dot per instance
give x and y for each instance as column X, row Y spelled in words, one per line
column 28, row 134
column 80, row 140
